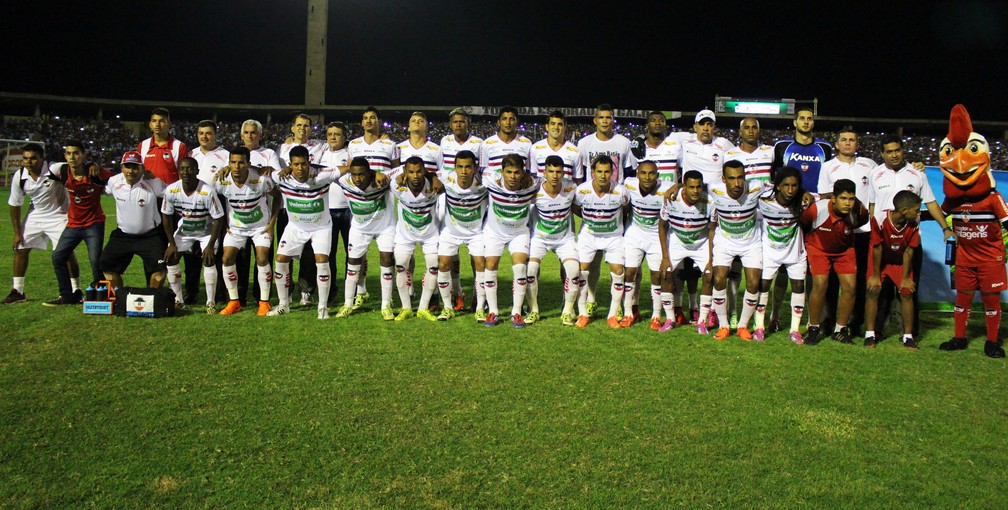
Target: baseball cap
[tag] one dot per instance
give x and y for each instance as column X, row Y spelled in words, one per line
column 132, row 157
column 704, row 114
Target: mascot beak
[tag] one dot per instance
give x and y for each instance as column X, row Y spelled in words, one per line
column 964, row 167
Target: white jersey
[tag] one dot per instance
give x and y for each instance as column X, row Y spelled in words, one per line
column 735, row 218
column 48, row 195
column 645, row 210
column 197, row 212
column 887, row 182
column 464, row 208
column 137, row 209
column 315, row 150
column 494, row 150
column 335, row 159
column 757, row 163
column 707, row 158
column 248, row 204
column 552, row 219
column 509, row 211
column 689, row 225
column 541, row 150
column 379, row 153
column 373, row 208
column 781, row 231
column 262, row 157
column 210, row 163
column 858, row 171
column 307, row 203
column 450, row 147
column 417, row 212
column 617, row 148
column 429, row 152
column 665, row 156
column 601, row 215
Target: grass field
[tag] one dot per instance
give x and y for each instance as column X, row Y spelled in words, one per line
column 290, row 412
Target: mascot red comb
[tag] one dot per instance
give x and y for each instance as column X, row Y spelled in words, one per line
column 978, row 213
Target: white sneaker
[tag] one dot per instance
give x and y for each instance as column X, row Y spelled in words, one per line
column 323, row 314
column 305, row 298
column 279, row 310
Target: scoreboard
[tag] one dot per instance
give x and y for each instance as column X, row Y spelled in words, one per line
column 767, row 107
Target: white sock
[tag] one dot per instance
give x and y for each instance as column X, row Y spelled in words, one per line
column 628, row 297
column 666, row 302
column 705, row 306
column 210, row 283
column 797, row 308
column 175, row 281
column 265, row 277
column 532, row 279
column 761, row 309
column 490, row 285
column 350, row 285
column 583, row 293
column 75, row 284
column 748, row 307
column 571, row 285
column 518, row 287
column 720, row 304
column 869, row 333
column 19, row 284
column 430, row 284
column 656, row 301
column 231, row 281
column 324, row 282
column 616, row 290
column 480, row 287
column 444, row 284
column 403, row 283
column 386, row 286
column 282, row 279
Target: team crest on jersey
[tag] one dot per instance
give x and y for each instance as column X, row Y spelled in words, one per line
column 166, row 156
column 864, row 180
column 141, row 202
column 804, row 167
column 715, row 158
column 282, row 244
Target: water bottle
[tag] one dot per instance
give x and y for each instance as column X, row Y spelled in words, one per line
column 102, row 292
column 89, row 293
column 950, row 252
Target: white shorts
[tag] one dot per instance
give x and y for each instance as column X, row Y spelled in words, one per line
column 678, row 253
column 185, row 244
column 406, row 244
column 448, row 245
column 637, row 245
column 566, row 247
column 360, row 242
column 293, row 240
column 35, row 232
column 797, row 264
column 493, row 244
column 589, row 245
column 751, row 254
column 237, row 238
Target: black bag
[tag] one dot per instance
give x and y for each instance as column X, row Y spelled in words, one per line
column 145, row 302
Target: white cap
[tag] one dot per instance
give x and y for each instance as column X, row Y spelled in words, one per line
column 704, row 114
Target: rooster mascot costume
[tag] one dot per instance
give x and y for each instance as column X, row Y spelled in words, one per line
column 978, row 213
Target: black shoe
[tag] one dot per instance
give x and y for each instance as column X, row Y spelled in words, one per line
column 910, row 343
column 59, row 301
column 14, row 297
column 843, row 336
column 956, row 344
column 870, row 341
column 813, row 336
column 993, row 349
column 78, row 297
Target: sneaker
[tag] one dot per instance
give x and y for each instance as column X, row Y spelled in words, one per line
column 323, row 314
column 656, row 323
column 744, row 334
column 669, row 325
column 360, row 300
column 796, row 337
column 910, row 343
column 387, row 314
column 712, row 321
column 60, row 301
column 993, row 349
column 627, row 321
column 211, row 309
column 459, row 302
column 427, row 314
column 179, row 305
column 344, row 312
column 517, row 321
column 264, row 308
column 568, row 319
column 279, row 310
column 870, row 341
column 759, row 335
column 480, row 315
column 613, row 322
column 843, row 336
column 694, row 315
column 813, row 336
column 491, row 320
column 233, row 306
column 591, row 309
column 680, row 318
column 582, row 321
column 635, row 312
column 733, row 324
column 955, row 344
column 701, row 328
column 446, row 313
column 305, row 298
column 532, row 318
column 404, row 314
column 722, row 334
column 774, row 326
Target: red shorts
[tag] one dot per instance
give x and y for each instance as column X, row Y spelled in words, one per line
column 891, row 271
column 821, row 262
column 987, row 279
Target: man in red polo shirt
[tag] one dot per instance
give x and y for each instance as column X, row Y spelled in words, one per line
column 829, row 241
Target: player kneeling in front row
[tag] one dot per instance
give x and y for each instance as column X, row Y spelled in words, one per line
column 553, row 230
column 306, row 197
column 892, row 247
column 464, row 205
column 511, row 194
column 646, row 194
column 735, row 234
column 780, row 208
column 250, row 216
column 601, row 204
column 201, row 221
column 684, row 231
column 417, row 224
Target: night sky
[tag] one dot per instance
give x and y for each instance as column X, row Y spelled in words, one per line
column 891, row 60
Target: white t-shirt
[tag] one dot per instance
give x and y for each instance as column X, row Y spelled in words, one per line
column 568, row 152
column 315, row 150
column 263, row 157
column 735, row 218
column 48, row 195
column 379, row 153
column 757, row 163
column 464, row 208
column 197, row 212
column 707, row 158
column 137, row 209
column 601, row 215
column 307, row 203
column 617, row 148
column 887, row 182
column 373, row 208
column 858, row 171
column 334, row 159
column 450, row 147
column 417, row 218
column 494, row 150
column 646, row 210
column 552, row 218
column 509, row 211
column 210, row 162
column 248, row 204
column 429, row 152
